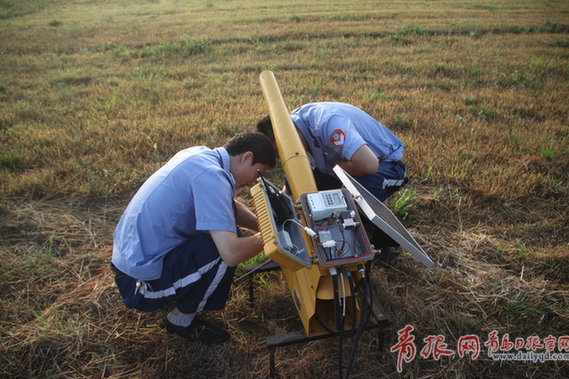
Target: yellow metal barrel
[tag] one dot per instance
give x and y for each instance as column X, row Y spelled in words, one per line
column 294, row 159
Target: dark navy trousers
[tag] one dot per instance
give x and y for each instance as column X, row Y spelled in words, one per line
column 194, row 276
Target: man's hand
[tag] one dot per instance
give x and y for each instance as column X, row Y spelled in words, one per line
column 233, row 249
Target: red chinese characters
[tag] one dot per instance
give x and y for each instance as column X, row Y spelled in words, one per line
column 405, row 347
column 469, row 344
column 436, row 346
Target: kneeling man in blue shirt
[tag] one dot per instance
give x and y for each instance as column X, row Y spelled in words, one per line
column 339, row 133
column 178, row 239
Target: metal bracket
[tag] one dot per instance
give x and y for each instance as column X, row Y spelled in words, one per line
column 378, row 320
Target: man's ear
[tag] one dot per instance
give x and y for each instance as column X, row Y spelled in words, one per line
column 246, row 156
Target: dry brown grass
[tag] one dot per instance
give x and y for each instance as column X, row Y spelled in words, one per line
column 63, row 317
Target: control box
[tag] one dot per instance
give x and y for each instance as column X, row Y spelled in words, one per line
column 339, row 236
column 322, row 204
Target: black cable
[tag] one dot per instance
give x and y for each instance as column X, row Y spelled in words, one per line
column 353, row 297
column 341, row 227
column 369, row 284
column 323, row 325
column 365, row 287
column 340, row 355
column 337, row 317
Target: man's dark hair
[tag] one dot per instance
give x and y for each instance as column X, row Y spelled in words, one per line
column 257, row 143
column 265, row 126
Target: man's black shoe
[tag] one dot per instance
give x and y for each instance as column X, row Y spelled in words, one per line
column 199, row 330
column 387, row 258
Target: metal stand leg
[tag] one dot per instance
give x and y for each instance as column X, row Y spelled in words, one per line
column 381, row 344
column 250, row 270
column 272, row 362
column 379, row 320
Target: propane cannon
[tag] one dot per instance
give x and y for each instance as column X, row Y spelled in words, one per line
column 318, row 239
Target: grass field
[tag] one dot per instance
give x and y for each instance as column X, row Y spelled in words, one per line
column 95, row 95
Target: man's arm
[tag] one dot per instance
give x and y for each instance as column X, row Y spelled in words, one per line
column 233, row 249
column 245, row 217
column 363, row 162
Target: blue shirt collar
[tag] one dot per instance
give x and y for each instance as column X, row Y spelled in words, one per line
column 224, row 162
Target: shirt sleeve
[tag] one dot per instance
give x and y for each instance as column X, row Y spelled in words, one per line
column 213, row 201
column 341, row 137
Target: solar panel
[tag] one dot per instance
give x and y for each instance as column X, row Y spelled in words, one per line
column 382, row 217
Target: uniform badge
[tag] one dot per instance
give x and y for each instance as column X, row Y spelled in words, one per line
column 337, row 138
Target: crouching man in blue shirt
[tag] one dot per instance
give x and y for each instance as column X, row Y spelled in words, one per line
column 178, row 239
column 338, row 133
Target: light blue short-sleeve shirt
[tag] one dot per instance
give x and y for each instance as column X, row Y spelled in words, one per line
column 191, row 194
column 335, row 131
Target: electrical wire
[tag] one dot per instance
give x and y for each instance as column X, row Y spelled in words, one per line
column 322, row 227
column 308, row 231
column 322, row 324
column 337, row 317
column 347, row 250
column 341, row 227
column 363, row 312
column 343, row 295
column 353, row 296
